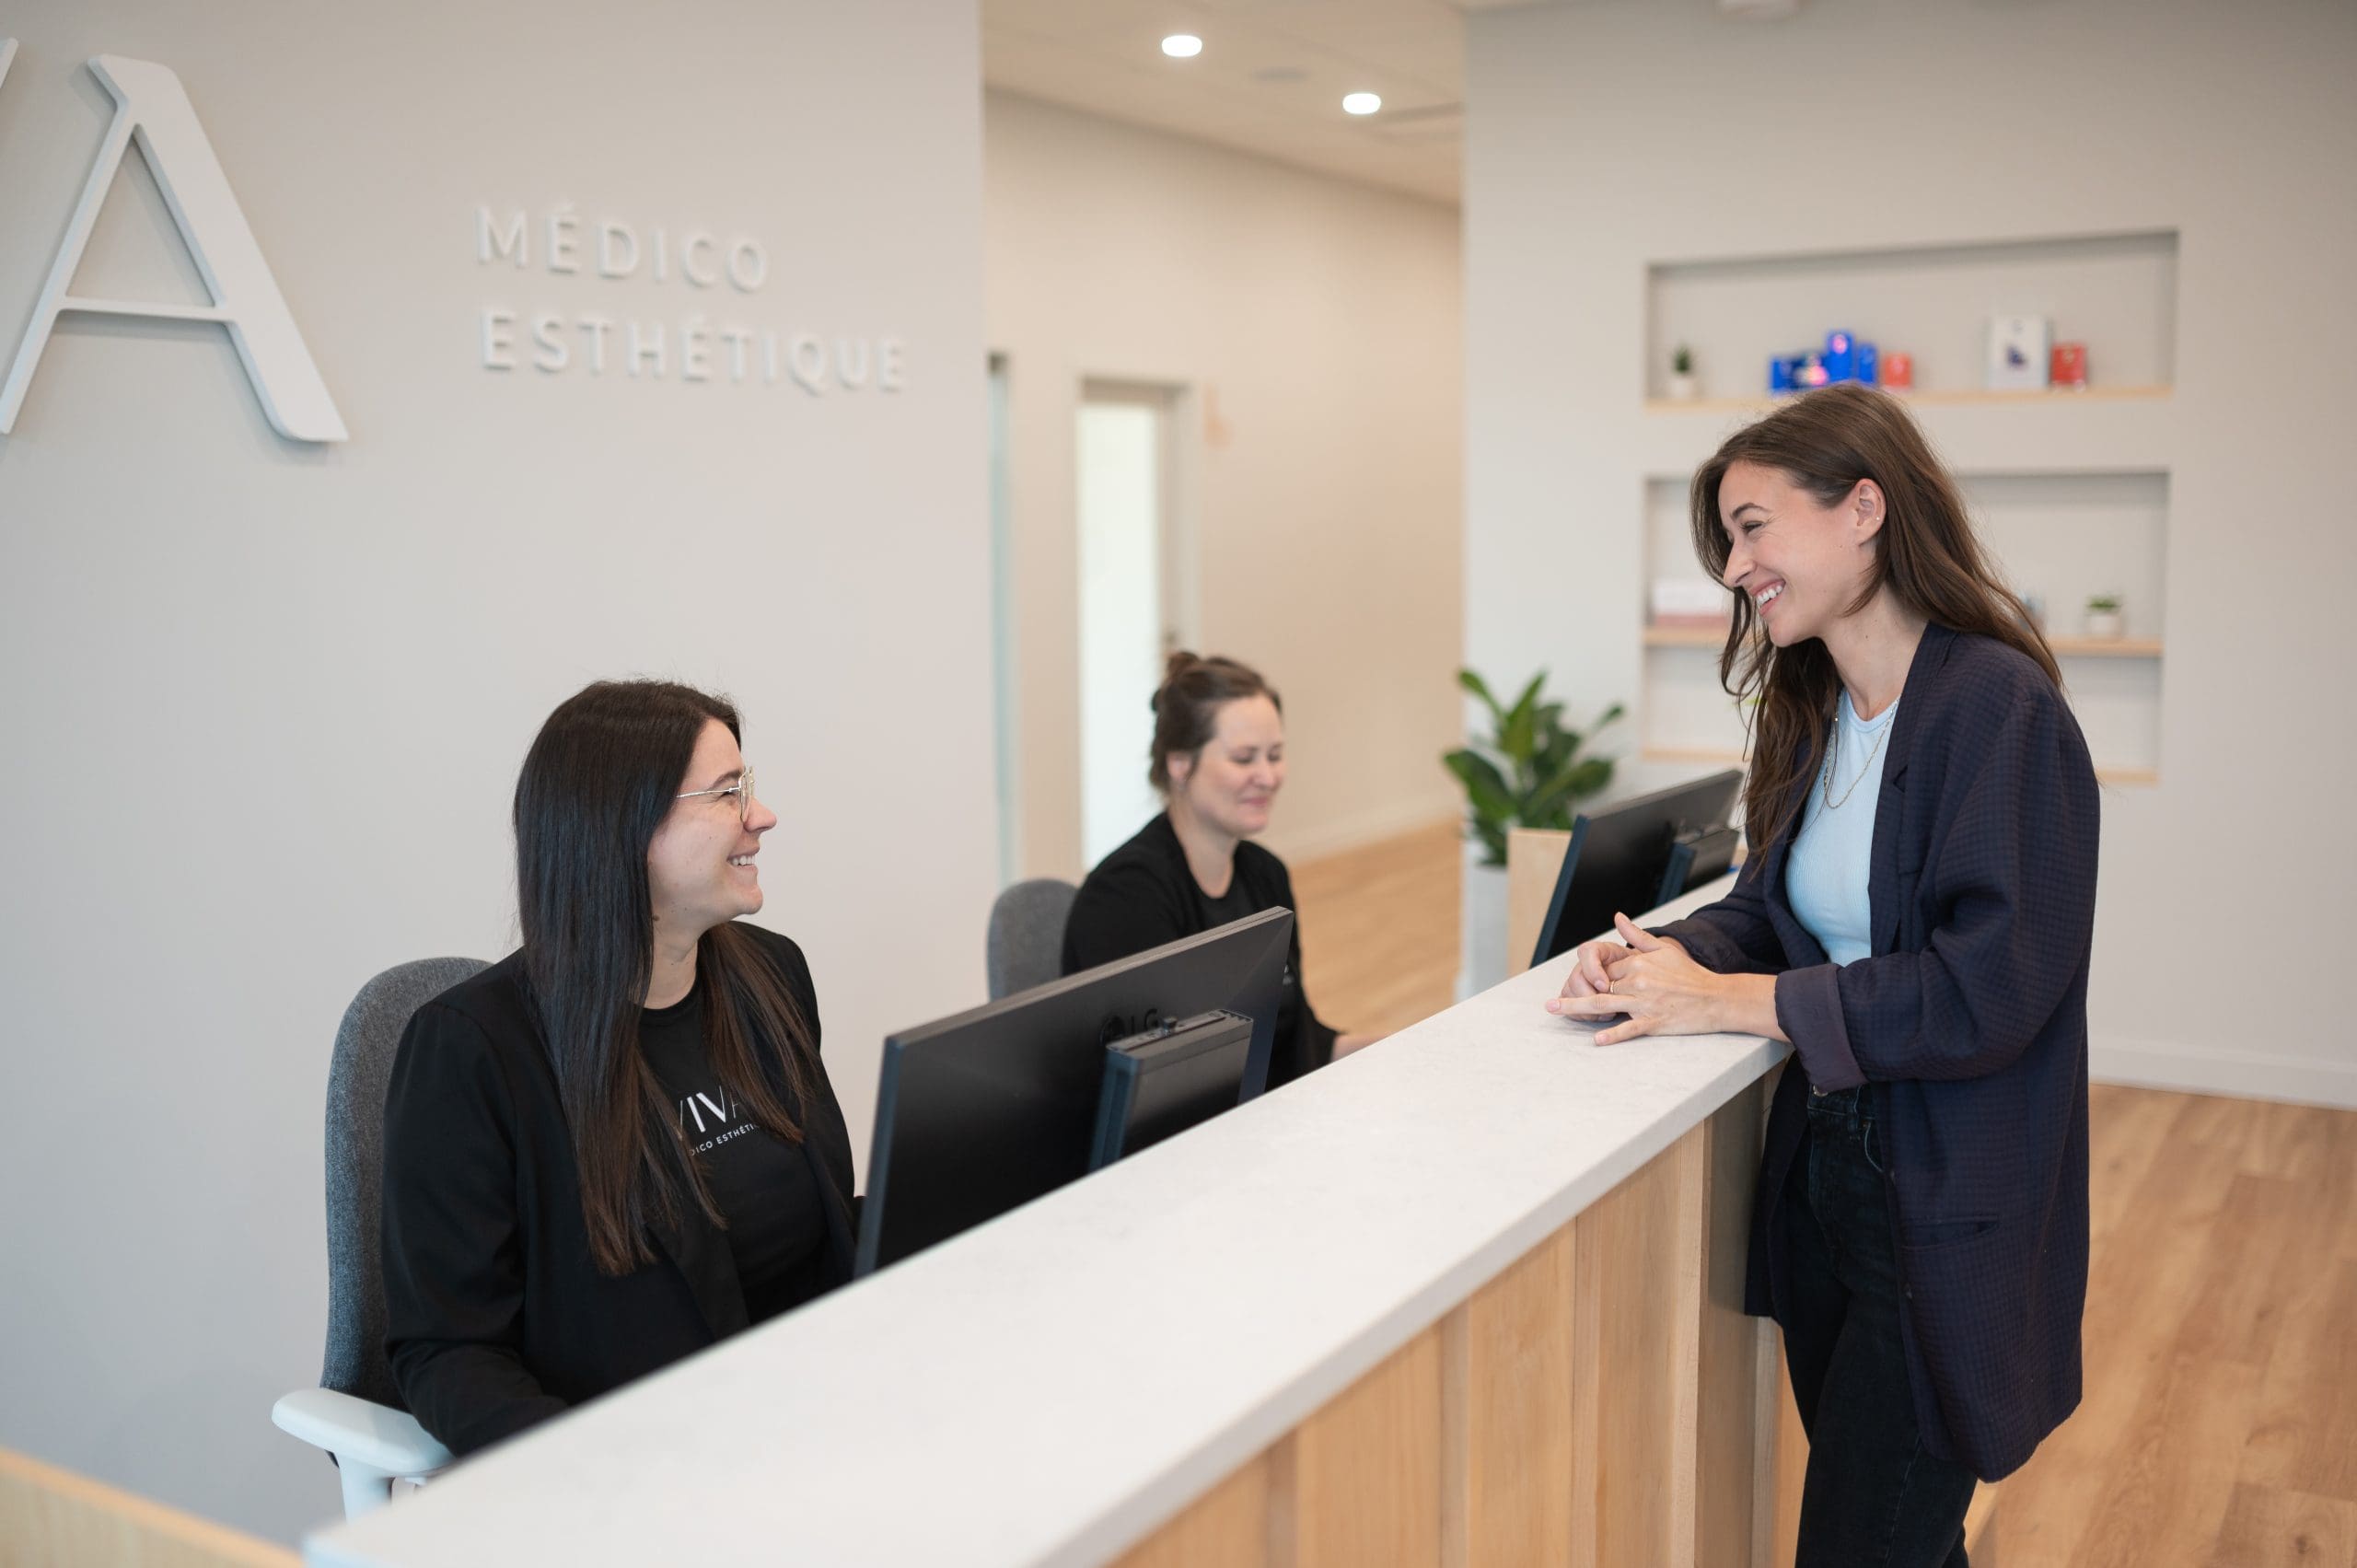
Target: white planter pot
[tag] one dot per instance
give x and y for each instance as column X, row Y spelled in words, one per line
column 1481, row 949
column 2103, row 623
column 1684, row 389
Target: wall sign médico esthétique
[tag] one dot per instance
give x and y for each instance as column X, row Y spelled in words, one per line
column 153, row 108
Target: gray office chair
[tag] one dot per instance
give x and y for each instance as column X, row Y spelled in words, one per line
column 1026, row 945
column 355, row 1412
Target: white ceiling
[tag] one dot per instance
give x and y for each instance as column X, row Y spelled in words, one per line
column 1269, row 80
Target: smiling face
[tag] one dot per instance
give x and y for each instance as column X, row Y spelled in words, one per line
column 1802, row 564
column 1231, row 781
column 700, row 865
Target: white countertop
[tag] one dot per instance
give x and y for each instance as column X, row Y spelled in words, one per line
column 1047, row 1388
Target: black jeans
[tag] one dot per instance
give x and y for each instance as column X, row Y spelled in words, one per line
column 1875, row 1496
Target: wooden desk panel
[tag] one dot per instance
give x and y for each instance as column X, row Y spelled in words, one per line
column 1597, row 1403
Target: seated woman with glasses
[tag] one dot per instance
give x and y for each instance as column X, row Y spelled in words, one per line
column 1219, row 759
column 618, row 1145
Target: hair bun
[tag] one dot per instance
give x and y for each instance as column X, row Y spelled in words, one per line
column 1187, row 704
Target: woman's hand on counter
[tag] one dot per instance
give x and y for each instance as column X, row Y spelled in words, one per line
column 1662, row 989
column 1590, row 962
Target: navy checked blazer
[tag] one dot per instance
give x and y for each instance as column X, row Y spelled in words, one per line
column 1968, row 1024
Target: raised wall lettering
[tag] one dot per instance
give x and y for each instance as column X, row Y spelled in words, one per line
column 498, row 339
column 151, row 103
column 491, row 242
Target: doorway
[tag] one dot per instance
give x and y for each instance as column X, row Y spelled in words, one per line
column 1132, row 589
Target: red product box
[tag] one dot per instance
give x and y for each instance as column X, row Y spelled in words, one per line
column 1897, row 372
column 2069, row 365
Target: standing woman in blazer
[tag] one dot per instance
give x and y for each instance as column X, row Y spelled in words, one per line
column 1219, row 761
column 1915, row 918
column 618, row 1146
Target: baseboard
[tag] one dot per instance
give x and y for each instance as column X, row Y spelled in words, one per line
column 1338, row 835
column 2247, row 1074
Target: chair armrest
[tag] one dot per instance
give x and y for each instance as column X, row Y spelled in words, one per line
column 383, row 1439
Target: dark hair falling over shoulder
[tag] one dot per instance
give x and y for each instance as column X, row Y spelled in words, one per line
column 599, row 781
column 1825, row 441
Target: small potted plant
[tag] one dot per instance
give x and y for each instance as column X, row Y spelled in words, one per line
column 1530, row 771
column 2103, row 615
column 1682, row 386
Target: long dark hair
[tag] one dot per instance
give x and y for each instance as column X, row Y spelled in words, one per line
column 1187, row 706
column 599, row 781
column 1825, row 441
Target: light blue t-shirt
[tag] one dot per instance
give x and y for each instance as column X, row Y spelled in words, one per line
column 1825, row 875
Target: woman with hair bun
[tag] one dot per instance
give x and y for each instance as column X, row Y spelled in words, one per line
column 1219, row 759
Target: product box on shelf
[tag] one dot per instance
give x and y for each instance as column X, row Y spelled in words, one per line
column 2017, row 354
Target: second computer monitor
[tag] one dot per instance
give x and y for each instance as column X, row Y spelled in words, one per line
column 1619, row 853
column 987, row 1110
column 1158, row 1084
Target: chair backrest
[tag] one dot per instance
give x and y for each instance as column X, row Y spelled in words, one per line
column 365, row 1046
column 1026, row 945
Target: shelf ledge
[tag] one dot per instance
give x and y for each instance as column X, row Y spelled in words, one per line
column 2064, row 647
column 1958, row 399
column 2105, row 648
column 2128, row 777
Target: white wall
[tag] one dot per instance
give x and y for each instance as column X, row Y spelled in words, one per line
column 264, row 702
column 1604, row 137
column 1317, row 326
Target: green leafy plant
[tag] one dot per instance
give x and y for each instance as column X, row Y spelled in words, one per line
column 1529, row 770
column 2103, row 604
column 1681, row 360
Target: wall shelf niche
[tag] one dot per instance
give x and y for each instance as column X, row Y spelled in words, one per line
column 2060, row 536
column 2115, row 293
column 2069, row 488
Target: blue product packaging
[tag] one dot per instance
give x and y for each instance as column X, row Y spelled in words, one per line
column 1840, row 356
column 1869, row 364
column 1779, row 373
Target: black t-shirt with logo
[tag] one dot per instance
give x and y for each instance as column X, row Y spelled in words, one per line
column 764, row 1185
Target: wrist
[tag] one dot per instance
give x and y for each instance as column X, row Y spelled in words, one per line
column 1748, row 1004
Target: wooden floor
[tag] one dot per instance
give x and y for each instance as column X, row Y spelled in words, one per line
column 1378, row 930
column 2219, row 1428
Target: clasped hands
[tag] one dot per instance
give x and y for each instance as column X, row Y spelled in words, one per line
column 1660, row 987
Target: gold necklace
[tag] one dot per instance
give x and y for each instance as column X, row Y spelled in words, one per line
column 1833, row 752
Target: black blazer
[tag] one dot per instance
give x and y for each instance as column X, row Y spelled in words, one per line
column 1144, row 895
column 1968, row 1024
column 496, row 1316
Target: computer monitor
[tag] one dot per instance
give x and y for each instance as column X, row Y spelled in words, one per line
column 1697, row 857
column 1166, row 1080
column 1618, row 855
column 983, row 1112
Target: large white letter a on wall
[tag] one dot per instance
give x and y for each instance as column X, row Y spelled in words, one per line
column 151, row 104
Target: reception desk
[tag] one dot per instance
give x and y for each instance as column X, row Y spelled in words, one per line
column 1472, row 1296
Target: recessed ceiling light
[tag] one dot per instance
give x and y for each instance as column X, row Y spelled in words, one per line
column 1361, row 103
column 1182, row 46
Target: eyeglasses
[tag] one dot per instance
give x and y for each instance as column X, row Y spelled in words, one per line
column 742, row 789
